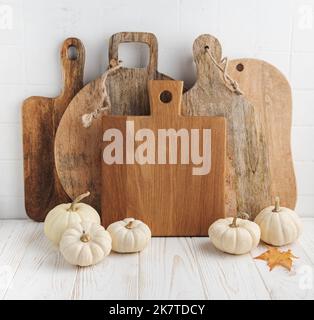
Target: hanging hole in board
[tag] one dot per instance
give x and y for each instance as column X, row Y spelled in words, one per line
column 206, row 47
column 165, row 96
column 72, row 53
column 134, row 54
column 240, row 67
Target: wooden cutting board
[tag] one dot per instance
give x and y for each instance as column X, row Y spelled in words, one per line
column 248, row 177
column 267, row 89
column 41, row 117
column 167, row 193
column 78, row 149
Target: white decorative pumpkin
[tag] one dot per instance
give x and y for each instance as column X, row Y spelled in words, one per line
column 84, row 244
column 129, row 235
column 234, row 235
column 279, row 225
column 63, row 215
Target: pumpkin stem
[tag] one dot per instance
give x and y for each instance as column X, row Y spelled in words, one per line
column 234, row 222
column 277, row 205
column 77, row 200
column 85, row 237
column 129, row 225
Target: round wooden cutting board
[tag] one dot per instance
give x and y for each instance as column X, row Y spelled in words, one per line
column 78, row 149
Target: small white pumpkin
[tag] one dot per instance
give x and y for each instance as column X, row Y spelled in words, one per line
column 234, row 235
column 279, row 225
column 129, row 235
column 84, row 244
column 63, row 215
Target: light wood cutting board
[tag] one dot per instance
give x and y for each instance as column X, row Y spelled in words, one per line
column 248, row 176
column 41, row 117
column 168, row 197
column 267, row 89
column 77, row 149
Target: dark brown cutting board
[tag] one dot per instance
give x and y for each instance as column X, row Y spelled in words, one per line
column 248, row 177
column 77, row 149
column 167, row 195
column 267, row 89
column 41, row 117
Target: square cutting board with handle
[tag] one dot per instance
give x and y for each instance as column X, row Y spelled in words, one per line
column 176, row 187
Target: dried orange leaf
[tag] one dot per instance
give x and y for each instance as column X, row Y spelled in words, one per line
column 275, row 257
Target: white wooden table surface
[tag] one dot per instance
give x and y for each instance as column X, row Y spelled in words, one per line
column 170, row 268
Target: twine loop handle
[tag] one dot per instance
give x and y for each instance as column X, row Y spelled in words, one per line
column 88, row 118
column 222, row 67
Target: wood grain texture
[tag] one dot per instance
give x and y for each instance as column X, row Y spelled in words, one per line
column 41, row 117
column 168, row 268
column 226, row 276
column 266, row 88
column 179, row 278
column 78, row 150
column 43, row 273
column 283, row 284
column 15, row 239
column 168, row 197
column 115, row 278
column 248, row 174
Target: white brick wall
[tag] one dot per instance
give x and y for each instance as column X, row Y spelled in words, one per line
column 281, row 32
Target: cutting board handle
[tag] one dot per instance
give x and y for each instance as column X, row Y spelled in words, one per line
column 72, row 60
column 142, row 37
column 203, row 64
column 165, row 97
